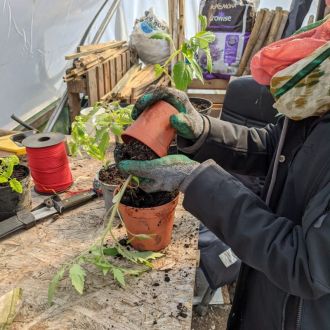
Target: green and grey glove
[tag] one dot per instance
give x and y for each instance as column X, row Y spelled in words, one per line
column 162, row 174
column 188, row 123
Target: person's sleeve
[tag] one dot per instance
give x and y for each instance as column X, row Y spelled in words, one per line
column 295, row 258
column 237, row 148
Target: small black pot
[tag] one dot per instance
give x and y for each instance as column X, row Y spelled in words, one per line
column 203, row 106
column 11, row 202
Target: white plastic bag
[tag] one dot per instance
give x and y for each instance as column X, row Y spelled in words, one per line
column 150, row 51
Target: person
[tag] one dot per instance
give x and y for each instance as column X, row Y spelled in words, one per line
column 282, row 237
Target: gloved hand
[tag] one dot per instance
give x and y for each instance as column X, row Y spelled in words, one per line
column 162, row 174
column 188, row 123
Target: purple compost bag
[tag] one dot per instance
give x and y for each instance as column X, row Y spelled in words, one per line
column 231, row 21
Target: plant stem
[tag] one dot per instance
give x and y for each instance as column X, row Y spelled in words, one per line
column 114, row 210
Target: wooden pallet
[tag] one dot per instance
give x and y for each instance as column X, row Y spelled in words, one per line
column 98, row 81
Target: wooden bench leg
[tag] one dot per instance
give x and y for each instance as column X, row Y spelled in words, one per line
column 74, row 104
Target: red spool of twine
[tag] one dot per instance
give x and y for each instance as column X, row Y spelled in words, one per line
column 50, row 168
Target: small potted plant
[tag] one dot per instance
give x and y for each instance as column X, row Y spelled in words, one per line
column 90, row 132
column 15, row 193
column 185, row 70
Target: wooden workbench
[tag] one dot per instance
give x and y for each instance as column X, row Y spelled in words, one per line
column 30, row 258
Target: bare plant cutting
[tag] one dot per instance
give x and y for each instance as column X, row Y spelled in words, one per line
column 90, row 132
column 185, row 70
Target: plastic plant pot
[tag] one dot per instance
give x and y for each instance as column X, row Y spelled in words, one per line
column 11, row 202
column 153, row 128
column 154, row 221
column 203, row 106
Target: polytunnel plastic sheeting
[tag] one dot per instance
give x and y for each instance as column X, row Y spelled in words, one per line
column 34, row 37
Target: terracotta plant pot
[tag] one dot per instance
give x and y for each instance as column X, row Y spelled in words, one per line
column 155, row 221
column 153, row 128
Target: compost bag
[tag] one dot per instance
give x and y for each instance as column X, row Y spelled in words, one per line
column 232, row 22
column 150, row 51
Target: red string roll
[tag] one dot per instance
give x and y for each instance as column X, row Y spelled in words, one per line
column 50, row 168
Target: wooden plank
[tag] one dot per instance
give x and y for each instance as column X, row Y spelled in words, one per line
column 92, row 87
column 209, row 84
column 91, row 51
column 77, row 86
column 100, row 81
column 128, row 60
column 124, row 64
column 106, row 73
column 112, row 68
column 119, row 68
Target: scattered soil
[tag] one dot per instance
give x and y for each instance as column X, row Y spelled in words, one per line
column 182, row 310
column 215, row 318
column 20, row 172
column 111, row 175
column 136, row 197
column 200, row 104
column 134, row 150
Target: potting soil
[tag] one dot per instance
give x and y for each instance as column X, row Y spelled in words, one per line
column 136, row 197
column 134, row 150
column 111, row 175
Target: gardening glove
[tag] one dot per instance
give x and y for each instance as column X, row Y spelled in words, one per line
column 162, row 174
column 188, row 123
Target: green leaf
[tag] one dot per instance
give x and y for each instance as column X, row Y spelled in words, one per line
column 54, row 284
column 208, row 36
column 3, row 179
column 104, row 142
column 118, row 275
column 203, row 21
column 116, row 129
column 208, row 60
column 197, row 69
column 16, row 185
column 116, row 198
column 181, row 76
column 148, row 255
column 77, row 275
column 158, row 70
column 110, row 251
column 161, row 35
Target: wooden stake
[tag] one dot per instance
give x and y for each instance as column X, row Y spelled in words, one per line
column 275, row 26
column 252, row 40
column 285, row 16
column 181, row 24
column 261, row 39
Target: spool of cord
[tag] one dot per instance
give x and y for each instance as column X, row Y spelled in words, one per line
column 48, row 162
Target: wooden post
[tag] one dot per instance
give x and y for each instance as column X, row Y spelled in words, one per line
column 181, row 24
column 285, row 16
column 275, row 26
column 261, row 39
column 252, row 40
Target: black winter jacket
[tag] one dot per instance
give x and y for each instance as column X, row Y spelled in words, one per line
column 285, row 279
